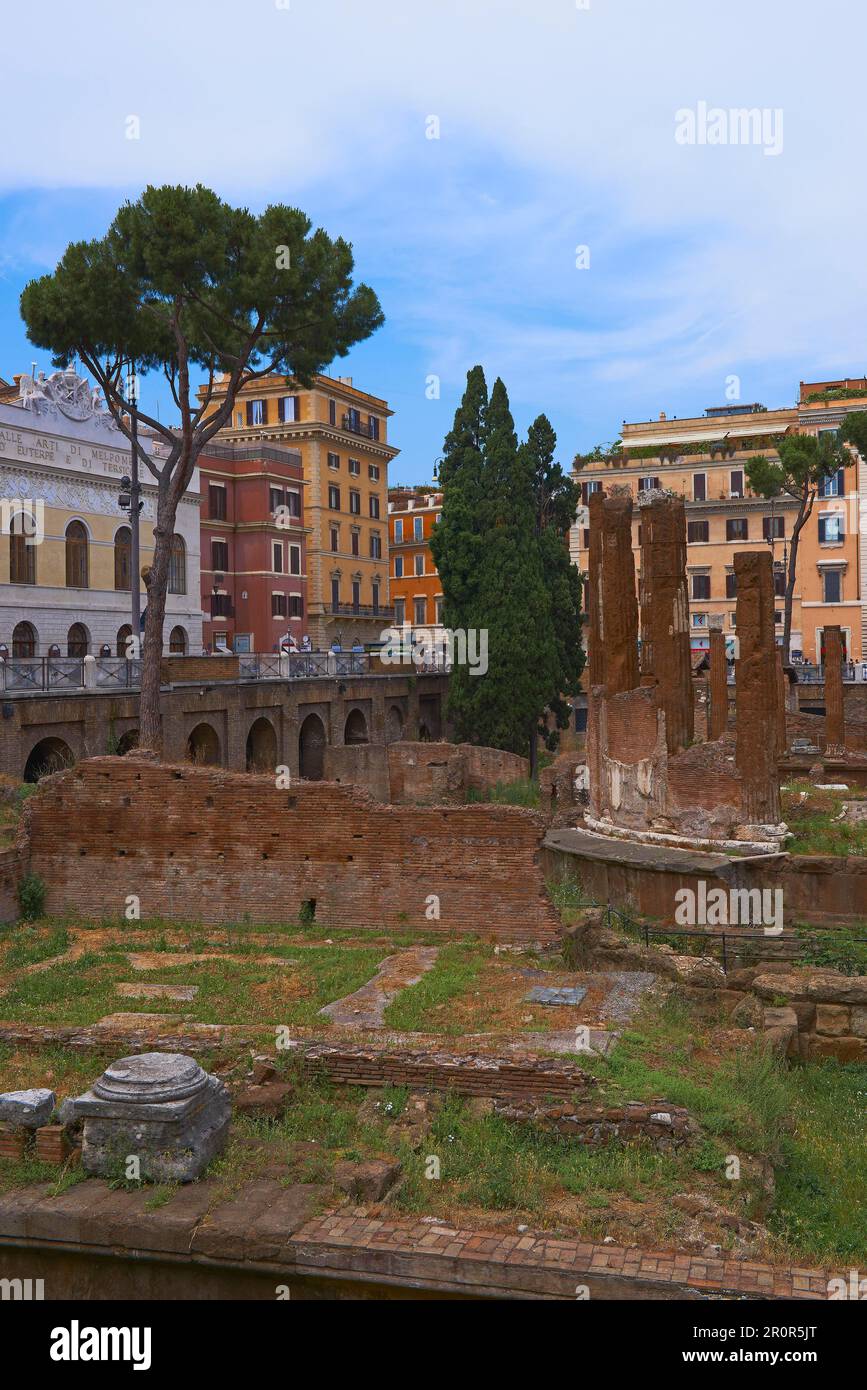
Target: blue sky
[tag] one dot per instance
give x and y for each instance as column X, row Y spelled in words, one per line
column 556, row 130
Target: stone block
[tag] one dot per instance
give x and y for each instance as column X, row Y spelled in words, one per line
column 780, row 1018
column 52, row 1144
column 368, row 1181
column 27, row 1109
column 832, row 1020
column 858, row 1022
column 264, row 1102
column 843, row 1049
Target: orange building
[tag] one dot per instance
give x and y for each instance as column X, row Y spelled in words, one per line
column 416, row 589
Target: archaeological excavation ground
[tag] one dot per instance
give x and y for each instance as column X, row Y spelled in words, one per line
column 425, row 1028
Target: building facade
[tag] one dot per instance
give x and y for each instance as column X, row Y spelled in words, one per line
column 416, row 590
column 65, row 563
column 341, row 435
column 254, row 547
column 703, row 459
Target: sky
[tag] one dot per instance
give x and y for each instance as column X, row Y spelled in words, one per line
column 588, row 221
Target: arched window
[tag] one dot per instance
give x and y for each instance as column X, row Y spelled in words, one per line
column 178, row 567
column 178, row 642
column 122, row 558
column 22, row 551
column 23, row 640
column 123, row 634
column 76, row 556
column 77, row 640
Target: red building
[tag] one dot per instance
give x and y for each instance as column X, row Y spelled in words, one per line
column 254, row 552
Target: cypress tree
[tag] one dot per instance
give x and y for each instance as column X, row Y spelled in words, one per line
column 457, row 543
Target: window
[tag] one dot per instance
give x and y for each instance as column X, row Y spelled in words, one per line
column 353, row 420
column 296, row 606
column 122, row 562
column 835, row 486
column 398, row 530
column 773, row 527
column 123, row 635
column 779, row 581
column 216, row 502
column 419, row 564
column 375, row 547
column 294, row 559
column 221, row 606
column 332, row 412
column 373, row 426
column 257, row 412
column 587, row 488
column 335, row 594
column 374, row 506
column 832, row 586
column 373, row 472
column 699, row 487
column 178, row 641
column 701, row 586
column 334, row 498
column 831, row 528
column 419, row 611
column 647, row 484
column 418, row 528
column 699, row 619
column 275, row 498
column 219, row 556
column 178, row 567
column 77, row 640
column 335, row 539
column 278, row 606
column 356, row 543
column 355, row 468
column 585, row 537
column 277, row 554
column 438, row 602
column 399, row 611
column 697, row 531
column 778, row 619
column 733, row 619
column 736, row 482
column 398, row 567
column 76, row 556
column 293, row 502
column 356, row 595
column 731, row 584
column 333, row 460
column 23, row 640
column 288, row 409
column 737, row 528
column 354, row 502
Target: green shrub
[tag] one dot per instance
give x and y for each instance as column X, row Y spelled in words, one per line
column 31, row 897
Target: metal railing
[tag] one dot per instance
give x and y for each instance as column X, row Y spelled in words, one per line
column 117, row 673
column 43, row 673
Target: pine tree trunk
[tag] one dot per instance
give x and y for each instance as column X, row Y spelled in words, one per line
column 150, row 713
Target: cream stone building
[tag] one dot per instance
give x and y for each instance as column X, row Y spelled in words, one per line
column 65, row 572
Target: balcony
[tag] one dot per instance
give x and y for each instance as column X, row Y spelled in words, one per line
column 355, row 426
column 362, row 610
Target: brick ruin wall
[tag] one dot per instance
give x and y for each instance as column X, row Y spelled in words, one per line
column 423, row 773
column 201, row 844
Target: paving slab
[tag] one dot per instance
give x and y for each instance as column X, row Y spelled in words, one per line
column 366, row 1007
column 182, row 993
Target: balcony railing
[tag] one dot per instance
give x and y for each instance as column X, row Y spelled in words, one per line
column 353, row 426
column 362, row 610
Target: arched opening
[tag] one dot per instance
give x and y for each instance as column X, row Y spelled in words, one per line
column 123, row 558
column 123, row 635
column 203, row 746
column 77, row 640
column 356, row 728
column 76, row 556
column 24, row 640
column 261, row 747
column 127, row 742
column 393, row 725
column 49, row 755
column 178, row 566
column 178, row 641
column 311, row 748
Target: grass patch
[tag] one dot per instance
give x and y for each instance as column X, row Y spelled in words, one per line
column 455, row 972
column 812, row 816
column 523, row 791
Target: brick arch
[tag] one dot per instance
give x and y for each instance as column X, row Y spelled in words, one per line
column 355, row 729
column 203, row 746
column 261, row 745
column 312, row 739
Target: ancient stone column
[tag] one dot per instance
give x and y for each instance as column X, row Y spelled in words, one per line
column 665, row 617
column 595, row 645
column 756, row 689
column 614, row 587
column 718, row 711
column 835, row 736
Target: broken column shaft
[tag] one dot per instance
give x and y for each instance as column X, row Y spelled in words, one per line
column 756, row 690
column 665, row 654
